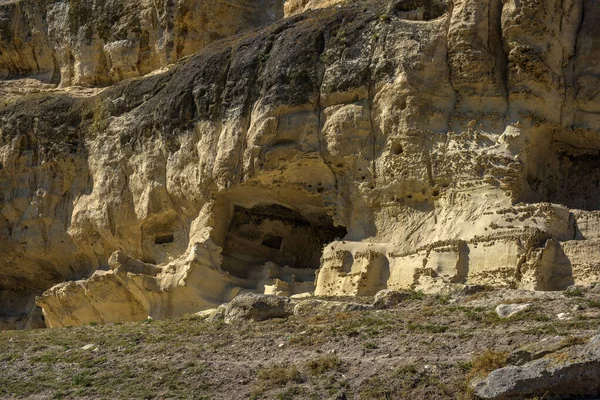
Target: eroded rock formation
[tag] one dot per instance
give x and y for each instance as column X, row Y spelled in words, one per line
column 83, row 42
column 372, row 145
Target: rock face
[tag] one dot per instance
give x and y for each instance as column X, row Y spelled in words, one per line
column 84, row 42
column 359, row 147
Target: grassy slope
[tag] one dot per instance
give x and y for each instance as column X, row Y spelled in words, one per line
column 422, row 349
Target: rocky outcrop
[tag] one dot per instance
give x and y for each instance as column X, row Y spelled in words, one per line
column 84, row 42
column 401, row 145
column 135, row 290
column 293, row 7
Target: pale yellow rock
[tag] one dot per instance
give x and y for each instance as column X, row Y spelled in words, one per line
column 414, row 145
column 293, row 7
column 80, row 42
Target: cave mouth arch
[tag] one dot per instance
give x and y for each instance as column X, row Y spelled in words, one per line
column 278, row 234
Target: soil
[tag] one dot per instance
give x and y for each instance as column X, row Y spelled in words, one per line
column 424, row 348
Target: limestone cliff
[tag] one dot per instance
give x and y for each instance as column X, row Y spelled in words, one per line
column 83, row 42
column 363, row 145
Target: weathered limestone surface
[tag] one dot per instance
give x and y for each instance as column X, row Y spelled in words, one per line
column 84, row 42
column 358, row 147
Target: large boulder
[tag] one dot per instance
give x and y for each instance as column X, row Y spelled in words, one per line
column 573, row 372
column 508, row 310
column 319, row 307
column 257, row 307
column 387, row 298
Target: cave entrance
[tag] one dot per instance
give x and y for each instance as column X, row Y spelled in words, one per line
column 278, row 234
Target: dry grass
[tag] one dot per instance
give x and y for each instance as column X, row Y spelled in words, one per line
column 487, row 362
column 323, row 364
column 573, row 341
column 285, row 359
column 274, row 377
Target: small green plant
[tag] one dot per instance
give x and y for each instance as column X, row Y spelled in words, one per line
column 465, row 366
column 593, row 303
column 370, row 346
column 263, row 58
column 417, row 295
column 442, row 298
column 83, row 379
column 384, row 18
column 405, row 370
column 431, row 328
column 93, row 323
column 575, row 292
column 59, row 395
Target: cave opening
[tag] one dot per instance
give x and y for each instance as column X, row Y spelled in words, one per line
column 164, row 239
column 277, row 234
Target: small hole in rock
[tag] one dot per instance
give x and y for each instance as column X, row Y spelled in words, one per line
column 363, row 177
column 272, row 241
column 397, row 149
column 164, row 239
column 436, row 193
column 320, row 190
column 409, row 196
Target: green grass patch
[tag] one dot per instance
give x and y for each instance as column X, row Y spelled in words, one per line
column 430, row 328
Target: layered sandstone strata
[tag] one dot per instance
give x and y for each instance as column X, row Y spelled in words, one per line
column 412, row 144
